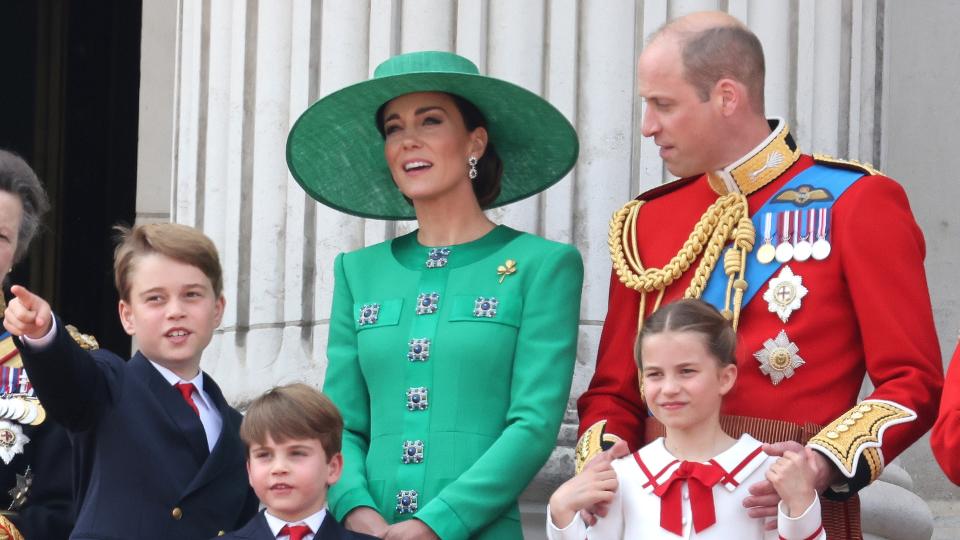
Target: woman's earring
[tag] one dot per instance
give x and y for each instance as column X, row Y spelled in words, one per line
column 473, row 168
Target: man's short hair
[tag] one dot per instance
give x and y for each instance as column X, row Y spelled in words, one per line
column 729, row 51
column 293, row 412
column 178, row 242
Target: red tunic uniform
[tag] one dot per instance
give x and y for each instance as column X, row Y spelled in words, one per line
column 945, row 437
column 867, row 312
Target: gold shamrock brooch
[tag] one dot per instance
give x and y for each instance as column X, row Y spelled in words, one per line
column 506, row 269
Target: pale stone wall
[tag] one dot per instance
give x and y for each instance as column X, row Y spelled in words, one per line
column 222, row 81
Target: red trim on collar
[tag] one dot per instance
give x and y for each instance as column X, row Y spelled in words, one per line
column 652, row 478
column 730, row 476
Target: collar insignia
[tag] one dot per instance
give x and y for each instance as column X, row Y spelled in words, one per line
column 761, row 165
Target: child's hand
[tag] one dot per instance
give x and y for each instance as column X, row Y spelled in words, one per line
column 27, row 314
column 593, row 487
column 793, row 476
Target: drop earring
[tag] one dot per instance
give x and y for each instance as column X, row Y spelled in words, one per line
column 472, row 161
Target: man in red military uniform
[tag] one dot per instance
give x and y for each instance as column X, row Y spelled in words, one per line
column 823, row 277
column 945, row 437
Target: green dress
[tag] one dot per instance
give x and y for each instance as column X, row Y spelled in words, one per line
column 452, row 375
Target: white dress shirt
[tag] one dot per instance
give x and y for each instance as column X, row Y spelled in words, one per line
column 313, row 521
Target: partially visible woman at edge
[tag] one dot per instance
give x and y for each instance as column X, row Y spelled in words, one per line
column 451, row 349
column 36, row 493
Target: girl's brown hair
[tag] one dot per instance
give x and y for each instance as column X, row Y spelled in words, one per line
column 692, row 315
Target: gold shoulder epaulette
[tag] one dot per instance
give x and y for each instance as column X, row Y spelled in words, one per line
column 86, row 341
column 851, row 164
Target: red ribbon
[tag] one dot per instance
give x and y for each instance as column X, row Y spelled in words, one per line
column 700, row 479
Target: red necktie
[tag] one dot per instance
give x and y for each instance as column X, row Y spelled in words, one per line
column 296, row 532
column 186, row 390
column 700, row 479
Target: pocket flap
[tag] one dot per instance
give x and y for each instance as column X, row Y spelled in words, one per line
column 483, row 308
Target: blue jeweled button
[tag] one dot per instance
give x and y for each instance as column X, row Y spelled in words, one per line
column 417, row 398
column 437, row 257
column 428, row 303
column 412, row 452
column 419, row 350
column 406, row 501
column 485, row 307
column 369, row 314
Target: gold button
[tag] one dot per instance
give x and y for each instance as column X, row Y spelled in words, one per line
column 865, row 408
column 841, row 428
column 832, row 435
column 856, row 415
column 177, row 513
column 849, row 422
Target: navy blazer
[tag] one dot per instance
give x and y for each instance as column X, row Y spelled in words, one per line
column 257, row 529
column 143, row 467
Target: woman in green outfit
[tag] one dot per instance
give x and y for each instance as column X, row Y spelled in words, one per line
column 451, row 349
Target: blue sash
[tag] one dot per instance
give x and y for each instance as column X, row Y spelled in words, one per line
column 834, row 181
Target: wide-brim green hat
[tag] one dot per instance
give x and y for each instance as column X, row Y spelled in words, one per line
column 335, row 150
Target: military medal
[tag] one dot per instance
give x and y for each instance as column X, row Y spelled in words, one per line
column 785, row 248
column 31, row 414
column 821, row 248
column 778, row 358
column 784, row 294
column 767, row 252
column 804, row 247
column 12, row 440
column 41, row 415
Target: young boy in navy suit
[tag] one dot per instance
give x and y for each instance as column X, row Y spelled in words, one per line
column 293, row 436
column 157, row 447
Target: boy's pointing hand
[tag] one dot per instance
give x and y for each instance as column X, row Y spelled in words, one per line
column 27, row 314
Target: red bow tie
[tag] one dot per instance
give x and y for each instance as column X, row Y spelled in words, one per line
column 700, row 479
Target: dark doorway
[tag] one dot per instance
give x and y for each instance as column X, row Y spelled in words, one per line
column 69, row 105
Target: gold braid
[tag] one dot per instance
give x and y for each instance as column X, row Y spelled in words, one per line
column 725, row 220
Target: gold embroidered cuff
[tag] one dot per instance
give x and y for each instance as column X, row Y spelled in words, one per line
column 858, row 434
column 591, row 444
column 9, row 531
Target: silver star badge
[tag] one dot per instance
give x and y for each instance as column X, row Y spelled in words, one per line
column 784, row 293
column 12, row 440
column 779, row 358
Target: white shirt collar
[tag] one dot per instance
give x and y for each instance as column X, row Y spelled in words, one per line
column 172, row 379
column 313, row 521
column 740, row 460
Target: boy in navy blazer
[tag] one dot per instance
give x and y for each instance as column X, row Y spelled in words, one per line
column 293, row 435
column 157, row 446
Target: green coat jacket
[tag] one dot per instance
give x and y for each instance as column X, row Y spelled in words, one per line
column 452, row 379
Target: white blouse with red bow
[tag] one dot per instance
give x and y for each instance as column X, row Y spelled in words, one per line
column 661, row 497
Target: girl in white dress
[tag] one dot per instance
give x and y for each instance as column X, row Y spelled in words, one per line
column 691, row 483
